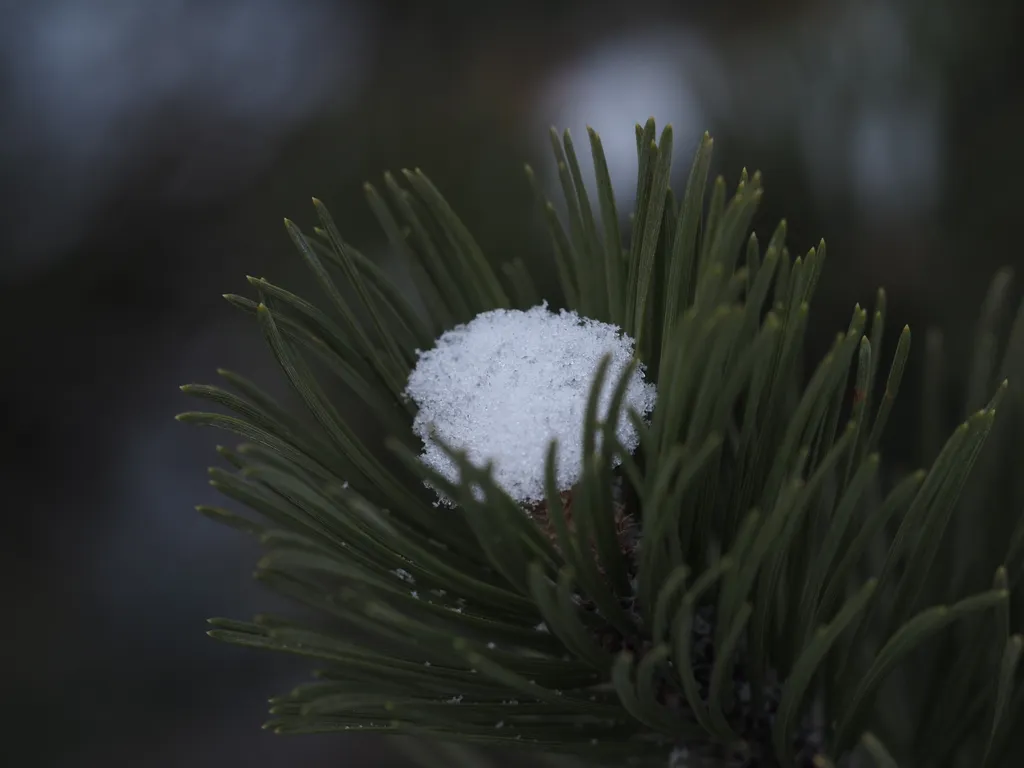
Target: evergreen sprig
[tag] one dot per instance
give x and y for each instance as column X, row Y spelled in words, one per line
column 788, row 597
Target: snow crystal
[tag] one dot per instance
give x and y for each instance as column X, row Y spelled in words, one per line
column 504, row 385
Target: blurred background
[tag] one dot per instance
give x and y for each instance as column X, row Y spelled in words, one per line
column 148, row 151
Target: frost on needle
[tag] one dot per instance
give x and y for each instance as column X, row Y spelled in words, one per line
column 505, row 384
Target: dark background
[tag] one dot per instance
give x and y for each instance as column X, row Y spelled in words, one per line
column 149, row 150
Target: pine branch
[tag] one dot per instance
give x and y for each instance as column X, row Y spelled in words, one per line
column 554, row 559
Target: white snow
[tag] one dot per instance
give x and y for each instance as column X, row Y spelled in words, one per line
column 502, row 386
column 404, row 575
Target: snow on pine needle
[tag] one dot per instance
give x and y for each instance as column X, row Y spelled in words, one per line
column 502, row 386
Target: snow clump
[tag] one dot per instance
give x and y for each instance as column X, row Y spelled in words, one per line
column 502, row 386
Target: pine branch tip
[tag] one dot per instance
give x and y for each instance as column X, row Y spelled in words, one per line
column 788, row 281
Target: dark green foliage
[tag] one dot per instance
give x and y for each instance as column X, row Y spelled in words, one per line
column 788, row 591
